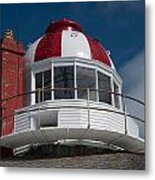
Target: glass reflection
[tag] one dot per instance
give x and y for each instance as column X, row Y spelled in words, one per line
column 104, row 88
column 64, row 84
column 63, row 79
column 86, row 79
column 43, row 82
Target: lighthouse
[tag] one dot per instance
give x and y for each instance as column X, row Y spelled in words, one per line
column 67, row 91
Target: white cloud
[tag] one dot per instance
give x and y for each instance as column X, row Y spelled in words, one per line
column 133, row 78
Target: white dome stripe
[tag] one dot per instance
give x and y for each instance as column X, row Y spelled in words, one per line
column 30, row 53
column 75, row 43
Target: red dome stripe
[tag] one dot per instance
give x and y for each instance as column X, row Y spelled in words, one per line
column 49, row 46
column 97, row 51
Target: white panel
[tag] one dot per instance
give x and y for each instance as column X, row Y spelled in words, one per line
column 75, row 115
column 22, row 122
column 132, row 127
column 106, row 120
column 30, row 53
column 71, row 118
column 75, row 44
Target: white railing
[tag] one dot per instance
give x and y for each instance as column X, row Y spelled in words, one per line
column 28, row 110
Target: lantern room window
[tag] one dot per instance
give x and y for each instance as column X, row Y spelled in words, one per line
column 64, row 82
column 43, row 85
column 86, row 78
column 104, row 86
column 76, row 81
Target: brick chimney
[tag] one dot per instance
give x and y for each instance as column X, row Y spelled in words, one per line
column 11, row 81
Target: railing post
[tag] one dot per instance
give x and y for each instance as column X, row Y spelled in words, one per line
column 52, row 81
column 125, row 115
column 75, row 82
column 88, row 106
column 39, row 100
column 30, row 119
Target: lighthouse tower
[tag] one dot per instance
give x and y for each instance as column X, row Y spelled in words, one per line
column 73, row 95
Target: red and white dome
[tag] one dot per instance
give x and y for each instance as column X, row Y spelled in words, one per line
column 65, row 38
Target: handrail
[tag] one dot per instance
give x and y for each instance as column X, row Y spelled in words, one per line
column 54, row 89
column 88, row 90
column 103, row 109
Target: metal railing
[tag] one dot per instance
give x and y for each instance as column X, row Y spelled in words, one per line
column 39, row 91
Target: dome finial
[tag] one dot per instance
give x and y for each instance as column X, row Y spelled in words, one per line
column 63, row 24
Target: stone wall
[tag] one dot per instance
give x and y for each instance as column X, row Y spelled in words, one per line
column 117, row 160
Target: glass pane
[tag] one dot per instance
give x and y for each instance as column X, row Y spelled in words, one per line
column 38, row 78
column 47, row 85
column 47, row 79
column 116, row 97
column 63, row 79
column 93, row 94
column 86, row 79
column 104, row 88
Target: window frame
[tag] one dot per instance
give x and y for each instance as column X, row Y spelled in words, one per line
column 90, row 68
column 110, row 80
column 49, row 64
column 119, row 91
column 42, row 85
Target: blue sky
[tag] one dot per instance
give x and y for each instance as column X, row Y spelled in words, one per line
column 118, row 25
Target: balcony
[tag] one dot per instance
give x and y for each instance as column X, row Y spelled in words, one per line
column 75, row 120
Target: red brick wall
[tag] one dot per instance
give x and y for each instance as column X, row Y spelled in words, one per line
column 11, row 79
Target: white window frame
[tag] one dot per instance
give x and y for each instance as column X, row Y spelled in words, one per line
column 50, row 63
column 119, row 91
column 110, row 76
column 42, row 82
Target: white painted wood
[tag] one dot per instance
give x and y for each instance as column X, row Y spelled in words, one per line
column 22, row 122
column 74, row 114
column 132, row 127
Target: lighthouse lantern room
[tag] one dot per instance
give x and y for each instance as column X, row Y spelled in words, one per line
column 73, row 95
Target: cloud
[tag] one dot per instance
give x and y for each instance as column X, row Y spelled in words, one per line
column 133, row 77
